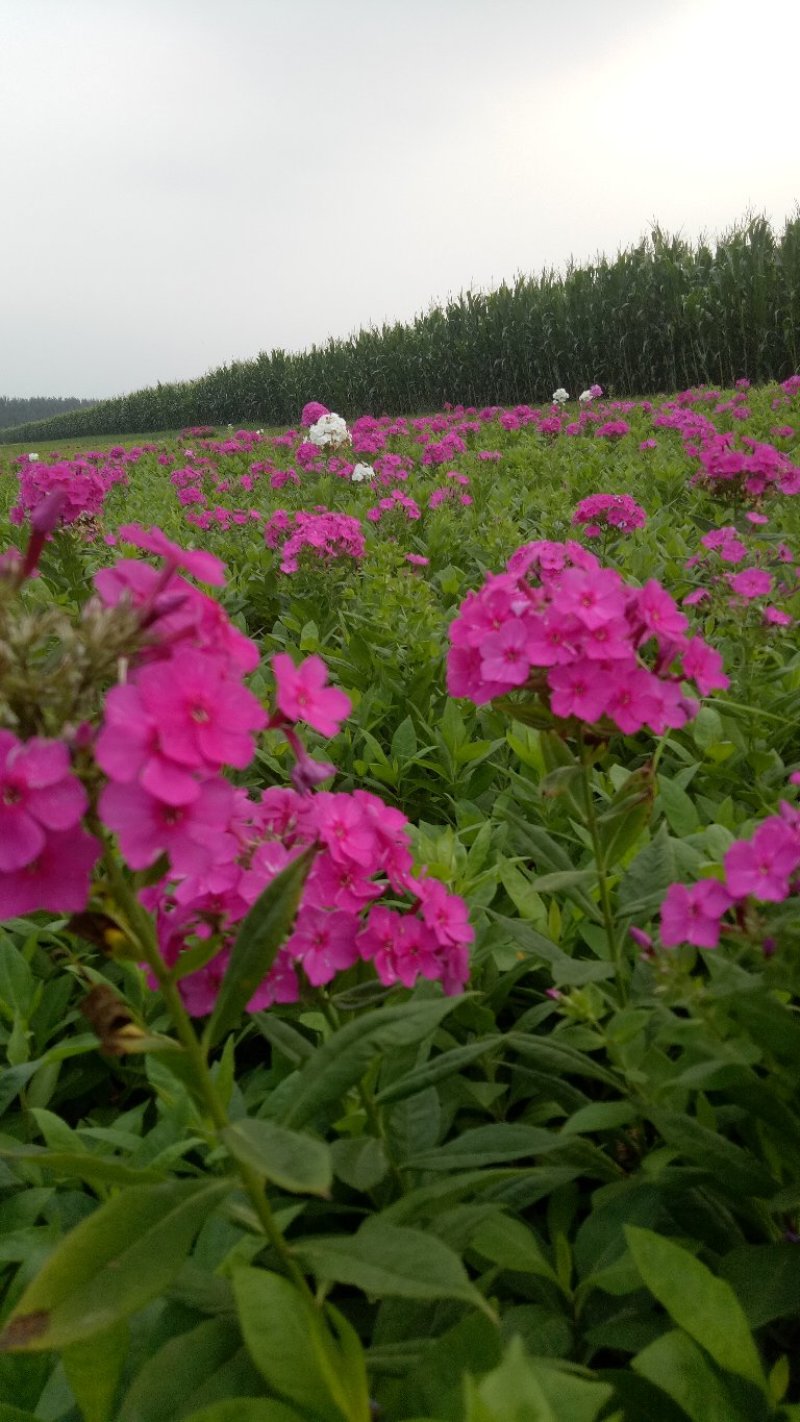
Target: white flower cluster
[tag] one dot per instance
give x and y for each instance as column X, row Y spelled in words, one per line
column 361, row 473
column 560, row 396
column 33, row 456
column 329, row 432
column 585, row 396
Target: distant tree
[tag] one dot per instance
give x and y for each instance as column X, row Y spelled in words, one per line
column 37, row 407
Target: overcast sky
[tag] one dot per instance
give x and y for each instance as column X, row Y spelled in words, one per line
column 187, row 182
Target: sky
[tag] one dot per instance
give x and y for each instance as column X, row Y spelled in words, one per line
column 188, row 182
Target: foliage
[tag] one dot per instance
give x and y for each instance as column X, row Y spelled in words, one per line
column 570, row 1193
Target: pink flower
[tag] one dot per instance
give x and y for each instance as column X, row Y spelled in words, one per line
column 763, row 865
column 312, row 412
column 205, row 718
column 580, row 689
column 200, row 564
column 753, row 582
column 58, row 879
column 193, row 835
column 128, row 749
column 324, row 942
column 693, row 914
column 776, row 617
column 703, row 664
column 505, row 656
column 38, row 795
column 593, row 597
column 445, row 914
column 660, row 613
column 633, row 702
column 303, row 694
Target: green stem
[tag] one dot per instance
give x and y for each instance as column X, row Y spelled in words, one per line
column 142, row 925
column 612, row 939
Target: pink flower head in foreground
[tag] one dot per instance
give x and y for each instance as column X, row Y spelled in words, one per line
column 205, row 718
column 57, row 879
column 303, row 694
column 692, row 914
column 203, row 566
column 38, row 795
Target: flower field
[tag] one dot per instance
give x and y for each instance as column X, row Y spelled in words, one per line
column 400, row 951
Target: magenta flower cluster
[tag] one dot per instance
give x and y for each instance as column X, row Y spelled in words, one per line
column 46, row 858
column 767, row 584
column 591, row 645
column 762, row 868
column 180, row 719
column 320, row 535
column 609, row 511
column 396, row 502
column 84, row 488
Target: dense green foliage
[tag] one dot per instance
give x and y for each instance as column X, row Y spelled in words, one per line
column 24, row 410
column 661, row 315
column 572, row 1194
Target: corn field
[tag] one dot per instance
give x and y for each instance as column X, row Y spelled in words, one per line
column 663, row 315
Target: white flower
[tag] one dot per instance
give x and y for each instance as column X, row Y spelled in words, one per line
column 362, row 472
column 585, row 396
column 560, row 396
column 33, row 456
column 329, row 432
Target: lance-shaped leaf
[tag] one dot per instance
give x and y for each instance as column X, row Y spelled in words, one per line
column 292, row 1160
column 260, row 936
column 111, row 1264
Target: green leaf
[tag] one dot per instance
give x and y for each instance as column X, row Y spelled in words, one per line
column 189, row 1371
column 111, row 1264
column 646, row 880
column 360, row 1163
column 439, row 1068
column 766, row 1279
column 676, row 1365
column 260, row 936
column 289, row 1341
column 522, row 1389
column 390, row 1261
column 342, row 1060
column 404, row 741
column 17, row 984
column 93, row 1369
column 600, row 1116
column 704, row 1306
column 679, row 809
column 246, row 1409
column 734, row 1168
column 95, row 1169
column 509, row 1243
column 487, row 1145
column 295, row 1162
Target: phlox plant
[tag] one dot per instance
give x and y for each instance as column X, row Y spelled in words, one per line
column 401, row 951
